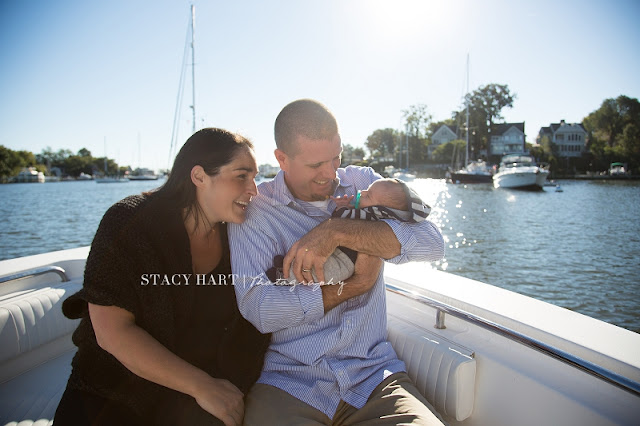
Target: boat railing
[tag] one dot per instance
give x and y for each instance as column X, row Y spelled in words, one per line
column 593, row 369
column 35, row 272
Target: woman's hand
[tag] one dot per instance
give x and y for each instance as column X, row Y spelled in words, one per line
column 117, row 333
column 222, row 399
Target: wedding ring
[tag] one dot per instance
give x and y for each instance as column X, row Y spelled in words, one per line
column 306, row 270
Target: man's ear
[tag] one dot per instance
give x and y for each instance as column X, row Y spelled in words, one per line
column 283, row 159
column 198, row 176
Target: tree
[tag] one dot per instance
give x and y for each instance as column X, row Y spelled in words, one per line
column 485, row 109
column 450, row 152
column 11, row 162
column 614, row 131
column 84, row 152
column 382, row 143
column 417, row 120
column 351, row 155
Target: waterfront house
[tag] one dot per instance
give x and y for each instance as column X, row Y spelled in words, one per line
column 443, row 135
column 569, row 139
column 507, row 138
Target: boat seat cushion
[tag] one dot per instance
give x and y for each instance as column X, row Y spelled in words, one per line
column 35, row 352
column 442, row 372
column 32, row 397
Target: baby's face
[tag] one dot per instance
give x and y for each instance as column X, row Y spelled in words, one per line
column 371, row 196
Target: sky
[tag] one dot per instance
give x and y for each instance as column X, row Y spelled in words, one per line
column 105, row 75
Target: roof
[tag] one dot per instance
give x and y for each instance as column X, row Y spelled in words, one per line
column 502, row 128
column 556, row 126
column 453, row 129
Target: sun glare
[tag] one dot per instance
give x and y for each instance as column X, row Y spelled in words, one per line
column 404, row 19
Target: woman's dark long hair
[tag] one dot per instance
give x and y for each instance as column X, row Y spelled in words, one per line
column 210, row 148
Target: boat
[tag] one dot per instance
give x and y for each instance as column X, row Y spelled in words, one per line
column 112, row 180
column 519, row 171
column 481, row 355
column 29, row 175
column 109, row 179
column 404, row 175
column 144, row 177
column 475, row 172
column 84, row 176
column 618, row 169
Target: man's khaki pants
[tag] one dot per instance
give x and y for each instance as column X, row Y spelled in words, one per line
column 395, row 401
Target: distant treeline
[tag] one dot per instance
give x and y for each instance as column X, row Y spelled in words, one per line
column 63, row 163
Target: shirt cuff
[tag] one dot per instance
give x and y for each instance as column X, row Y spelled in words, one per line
column 406, row 237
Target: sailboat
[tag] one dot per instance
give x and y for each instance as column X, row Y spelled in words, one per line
column 109, row 179
column 475, row 171
column 176, row 117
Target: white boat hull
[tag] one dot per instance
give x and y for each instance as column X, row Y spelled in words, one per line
column 521, row 178
column 112, row 180
column 506, row 336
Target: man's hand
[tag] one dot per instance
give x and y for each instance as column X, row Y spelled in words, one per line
column 367, row 269
column 310, row 252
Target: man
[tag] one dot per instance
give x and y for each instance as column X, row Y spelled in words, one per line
column 328, row 361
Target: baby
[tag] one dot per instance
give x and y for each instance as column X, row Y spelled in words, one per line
column 384, row 199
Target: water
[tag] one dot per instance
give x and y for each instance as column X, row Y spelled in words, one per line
column 38, row 218
column 578, row 249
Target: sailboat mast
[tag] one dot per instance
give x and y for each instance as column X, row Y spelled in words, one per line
column 193, row 62
column 466, row 153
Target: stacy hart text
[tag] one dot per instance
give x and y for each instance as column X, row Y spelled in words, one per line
column 186, row 279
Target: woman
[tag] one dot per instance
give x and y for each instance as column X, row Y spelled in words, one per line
column 161, row 340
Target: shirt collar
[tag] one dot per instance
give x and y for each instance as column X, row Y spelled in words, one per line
column 283, row 196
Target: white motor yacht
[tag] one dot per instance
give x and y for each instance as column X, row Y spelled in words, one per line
column 520, row 171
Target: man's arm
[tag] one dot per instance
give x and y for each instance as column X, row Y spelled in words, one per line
column 389, row 239
column 272, row 307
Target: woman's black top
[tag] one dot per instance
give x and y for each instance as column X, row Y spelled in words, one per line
column 140, row 260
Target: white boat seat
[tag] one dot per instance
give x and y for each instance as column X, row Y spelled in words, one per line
column 35, row 353
column 444, row 373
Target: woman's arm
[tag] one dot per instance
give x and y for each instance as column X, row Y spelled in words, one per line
column 118, row 334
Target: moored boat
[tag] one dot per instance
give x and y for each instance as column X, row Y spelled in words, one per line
column 112, row 180
column 29, row 175
column 474, row 172
column 143, row 177
column 519, row 171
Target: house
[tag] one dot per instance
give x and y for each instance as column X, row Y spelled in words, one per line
column 507, row 138
column 569, row 139
column 441, row 136
column 267, row 170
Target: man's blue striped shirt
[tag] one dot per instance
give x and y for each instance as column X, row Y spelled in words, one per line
column 316, row 357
